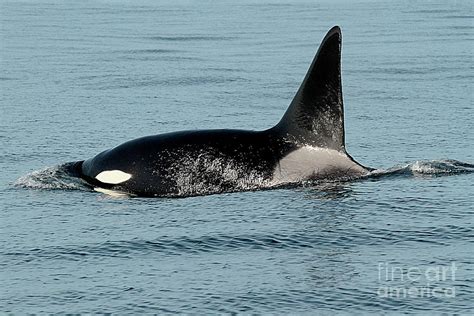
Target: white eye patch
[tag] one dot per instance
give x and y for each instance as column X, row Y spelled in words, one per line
column 113, row 176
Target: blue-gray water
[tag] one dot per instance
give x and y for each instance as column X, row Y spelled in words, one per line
column 78, row 77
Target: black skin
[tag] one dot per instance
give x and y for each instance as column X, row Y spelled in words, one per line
column 152, row 160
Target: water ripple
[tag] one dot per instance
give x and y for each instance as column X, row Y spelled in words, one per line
column 353, row 237
column 188, row 38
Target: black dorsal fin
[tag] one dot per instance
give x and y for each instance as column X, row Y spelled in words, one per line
column 315, row 117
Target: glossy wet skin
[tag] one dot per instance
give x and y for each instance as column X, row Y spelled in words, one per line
column 227, row 160
column 155, row 161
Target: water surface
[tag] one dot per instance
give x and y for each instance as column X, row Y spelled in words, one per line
column 78, row 77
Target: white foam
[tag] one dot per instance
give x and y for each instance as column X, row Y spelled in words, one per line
column 113, row 176
column 49, row 178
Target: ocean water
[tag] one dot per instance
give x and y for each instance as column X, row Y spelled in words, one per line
column 78, row 77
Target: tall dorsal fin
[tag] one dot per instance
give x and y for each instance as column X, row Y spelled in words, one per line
column 315, row 117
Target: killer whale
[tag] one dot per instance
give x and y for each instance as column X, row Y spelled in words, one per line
column 308, row 143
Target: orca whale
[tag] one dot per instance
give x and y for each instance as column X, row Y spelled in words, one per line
column 307, row 144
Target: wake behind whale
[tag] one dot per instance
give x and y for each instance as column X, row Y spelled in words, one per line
column 306, row 146
column 59, row 177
